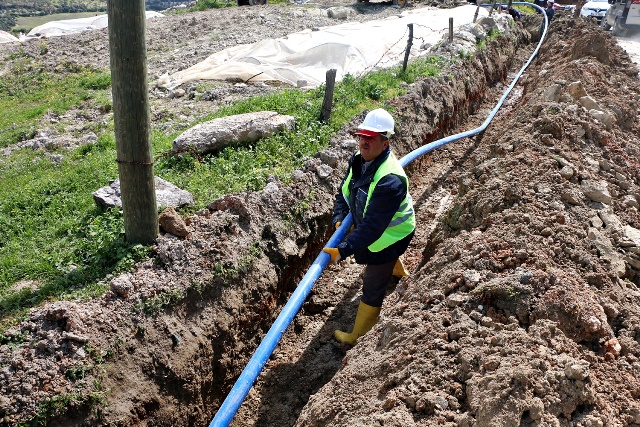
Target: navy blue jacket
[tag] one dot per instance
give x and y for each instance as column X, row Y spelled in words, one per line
column 514, row 14
column 385, row 201
column 550, row 11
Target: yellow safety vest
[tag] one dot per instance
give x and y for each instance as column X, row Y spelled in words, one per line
column 404, row 221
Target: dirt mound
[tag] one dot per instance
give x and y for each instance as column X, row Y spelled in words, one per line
column 524, row 309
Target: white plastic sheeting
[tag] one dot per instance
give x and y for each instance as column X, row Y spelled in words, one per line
column 303, row 58
column 70, row 26
column 6, row 37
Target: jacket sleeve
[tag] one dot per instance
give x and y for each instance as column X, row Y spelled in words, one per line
column 340, row 208
column 385, row 202
column 340, row 205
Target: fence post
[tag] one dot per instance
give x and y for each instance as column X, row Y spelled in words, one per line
column 492, row 7
column 451, row 30
column 476, row 14
column 328, row 95
column 408, row 49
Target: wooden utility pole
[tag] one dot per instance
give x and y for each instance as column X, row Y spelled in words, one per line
column 327, row 103
column 128, row 51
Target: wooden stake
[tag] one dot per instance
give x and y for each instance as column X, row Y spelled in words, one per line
column 327, row 103
column 128, row 60
column 493, row 7
column 408, row 49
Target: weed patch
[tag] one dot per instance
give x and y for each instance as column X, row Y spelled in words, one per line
column 29, row 92
column 153, row 305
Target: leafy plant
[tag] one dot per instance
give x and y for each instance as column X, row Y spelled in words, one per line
column 12, row 340
column 95, row 80
column 156, row 303
column 77, row 371
column 60, row 404
column 452, row 217
column 249, row 258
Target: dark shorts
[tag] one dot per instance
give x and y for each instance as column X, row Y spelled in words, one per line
column 375, row 280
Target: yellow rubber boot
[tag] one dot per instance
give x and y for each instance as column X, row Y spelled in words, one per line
column 399, row 270
column 365, row 319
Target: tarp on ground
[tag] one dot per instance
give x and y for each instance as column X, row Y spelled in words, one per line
column 350, row 48
column 6, row 37
column 71, row 26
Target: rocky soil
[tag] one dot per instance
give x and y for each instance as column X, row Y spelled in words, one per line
column 522, row 307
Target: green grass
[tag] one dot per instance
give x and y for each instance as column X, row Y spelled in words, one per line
column 212, row 4
column 58, row 405
column 53, row 233
column 217, row 4
column 28, row 92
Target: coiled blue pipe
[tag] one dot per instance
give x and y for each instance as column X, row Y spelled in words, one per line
column 247, row 378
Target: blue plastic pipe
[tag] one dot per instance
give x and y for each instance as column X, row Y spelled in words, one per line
column 439, row 143
column 247, row 378
column 250, row 373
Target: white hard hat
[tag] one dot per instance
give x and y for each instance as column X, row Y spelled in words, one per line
column 378, row 121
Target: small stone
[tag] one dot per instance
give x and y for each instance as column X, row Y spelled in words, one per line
column 613, row 346
column 491, row 363
column 576, row 371
column 536, row 410
column 121, row 286
column 173, row 223
column 455, row 300
column 567, row 172
column 324, row 171
column 175, row 339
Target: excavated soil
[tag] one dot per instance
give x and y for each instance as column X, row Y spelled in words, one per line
column 522, row 307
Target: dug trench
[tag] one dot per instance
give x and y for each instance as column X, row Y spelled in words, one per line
column 522, row 306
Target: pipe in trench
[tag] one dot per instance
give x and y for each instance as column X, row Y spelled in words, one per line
column 247, row 378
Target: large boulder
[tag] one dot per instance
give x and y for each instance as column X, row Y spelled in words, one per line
column 167, row 194
column 246, row 128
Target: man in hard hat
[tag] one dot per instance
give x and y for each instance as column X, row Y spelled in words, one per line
column 549, row 11
column 376, row 192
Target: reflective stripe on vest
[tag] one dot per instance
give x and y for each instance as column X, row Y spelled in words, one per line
column 404, row 220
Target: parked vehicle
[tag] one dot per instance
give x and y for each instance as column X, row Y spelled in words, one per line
column 557, row 6
column 398, row 3
column 596, row 9
column 621, row 16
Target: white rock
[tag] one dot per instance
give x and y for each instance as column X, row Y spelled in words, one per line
column 577, row 371
column 324, row 171
column 576, row 90
column 241, row 128
column 596, row 191
column 589, row 103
